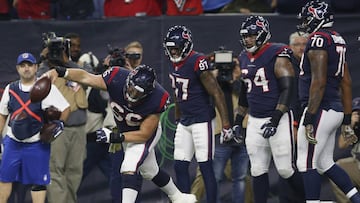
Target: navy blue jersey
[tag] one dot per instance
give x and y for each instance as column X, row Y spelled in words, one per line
column 128, row 117
column 335, row 46
column 19, row 102
column 257, row 71
column 191, row 96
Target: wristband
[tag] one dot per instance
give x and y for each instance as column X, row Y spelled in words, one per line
column 238, row 120
column 116, row 137
column 309, row 118
column 61, row 71
column 346, row 119
column 276, row 116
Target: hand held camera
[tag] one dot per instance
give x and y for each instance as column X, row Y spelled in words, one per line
column 57, row 46
column 223, row 61
column 117, row 56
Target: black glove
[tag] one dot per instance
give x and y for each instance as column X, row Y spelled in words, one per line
column 270, row 127
column 104, row 135
column 239, row 134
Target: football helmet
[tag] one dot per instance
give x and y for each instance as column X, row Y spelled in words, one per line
column 178, row 43
column 258, row 26
column 315, row 15
column 139, row 83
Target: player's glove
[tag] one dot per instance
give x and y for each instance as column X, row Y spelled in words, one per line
column 346, row 130
column 59, row 128
column 309, row 128
column 226, row 134
column 270, row 127
column 104, row 135
column 239, row 134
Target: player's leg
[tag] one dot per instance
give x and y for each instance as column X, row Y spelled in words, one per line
column 283, row 151
column 198, row 186
column 305, row 163
column 332, row 121
column 183, row 153
column 260, row 156
column 204, row 142
column 351, row 167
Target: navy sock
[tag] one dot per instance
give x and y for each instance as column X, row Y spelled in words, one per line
column 261, row 188
column 161, row 178
column 312, row 181
column 182, row 175
column 342, row 180
column 296, row 183
column 207, row 172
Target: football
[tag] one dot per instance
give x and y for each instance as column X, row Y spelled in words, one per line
column 46, row 132
column 51, row 113
column 40, row 89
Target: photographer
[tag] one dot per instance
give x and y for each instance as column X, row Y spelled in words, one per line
column 351, row 164
column 68, row 152
column 232, row 151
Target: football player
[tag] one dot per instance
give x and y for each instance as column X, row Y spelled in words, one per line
column 325, row 92
column 268, row 75
column 137, row 101
column 193, row 85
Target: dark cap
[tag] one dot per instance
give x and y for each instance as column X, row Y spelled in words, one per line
column 356, row 104
column 26, row 57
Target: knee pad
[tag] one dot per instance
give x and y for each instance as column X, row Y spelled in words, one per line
column 285, row 172
column 36, row 188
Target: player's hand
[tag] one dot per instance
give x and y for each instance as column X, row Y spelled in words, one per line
column 103, row 135
column 348, row 133
column 309, row 133
column 59, row 127
column 239, row 134
column 226, row 135
column 269, row 129
column 309, row 127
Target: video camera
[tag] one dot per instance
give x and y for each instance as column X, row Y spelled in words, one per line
column 223, row 61
column 56, row 46
column 117, row 56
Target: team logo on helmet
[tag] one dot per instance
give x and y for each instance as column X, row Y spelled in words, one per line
column 319, row 11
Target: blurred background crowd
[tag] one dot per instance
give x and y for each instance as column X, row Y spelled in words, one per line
column 102, row 9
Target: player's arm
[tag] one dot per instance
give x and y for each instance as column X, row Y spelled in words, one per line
column 77, row 75
column 214, row 90
column 318, row 63
column 285, row 75
column 346, row 91
column 147, row 129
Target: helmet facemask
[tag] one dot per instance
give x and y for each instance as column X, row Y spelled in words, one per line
column 178, row 43
column 255, row 26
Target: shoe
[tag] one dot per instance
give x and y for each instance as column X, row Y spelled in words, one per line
column 183, row 198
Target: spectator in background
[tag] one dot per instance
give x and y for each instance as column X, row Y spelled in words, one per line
column 351, row 164
column 248, row 6
column 214, row 6
column 288, row 7
column 33, row 9
column 74, row 9
column 345, row 6
column 133, row 54
column 26, row 157
column 5, row 10
column 69, row 150
column 177, row 8
column 127, row 8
